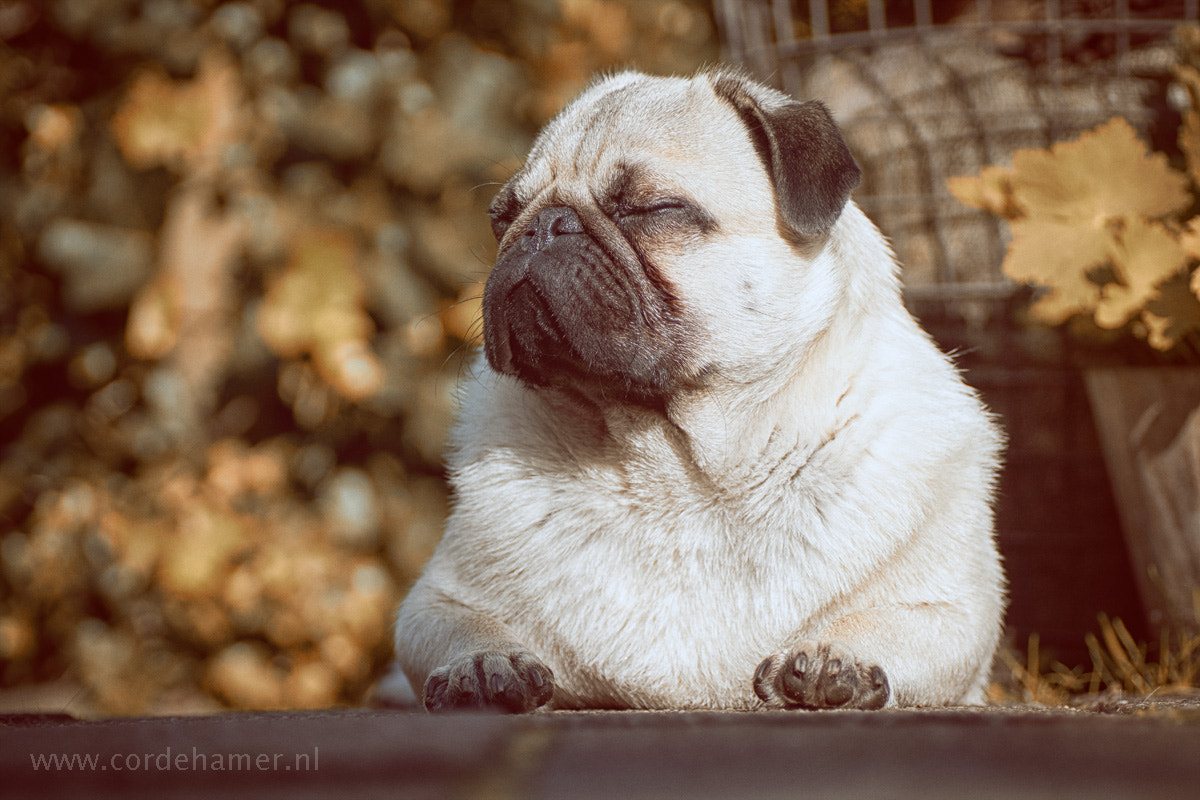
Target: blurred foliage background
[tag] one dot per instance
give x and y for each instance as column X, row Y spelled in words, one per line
column 241, row 250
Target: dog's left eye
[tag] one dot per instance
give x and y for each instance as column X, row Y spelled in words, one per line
column 665, row 205
column 663, row 216
column 652, row 208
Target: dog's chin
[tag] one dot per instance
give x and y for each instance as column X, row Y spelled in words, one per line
column 532, row 347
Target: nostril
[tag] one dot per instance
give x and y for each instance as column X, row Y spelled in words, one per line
column 565, row 221
column 551, row 223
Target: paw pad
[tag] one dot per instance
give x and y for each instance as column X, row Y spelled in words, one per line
column 815, row 675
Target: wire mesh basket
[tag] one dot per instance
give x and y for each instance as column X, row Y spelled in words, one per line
column 925, row 91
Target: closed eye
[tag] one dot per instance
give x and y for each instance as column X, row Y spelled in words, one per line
column 653, row 207
column 500, row 223
column 664, row 205
column 504, row 209
column 663, row 215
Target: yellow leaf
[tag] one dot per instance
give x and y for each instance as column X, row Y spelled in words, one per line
column 1144, row 254
column 171, row 122
column 1057, row 255
column 1189, row 240
column 200, row 555
column 991, row 190
column 350, row 366
column 55, row 128
column 1158, row 331
column 1059, row 305
column 1173, row 312
column 318, row 287
column 1189, row 237
column 154, row 314
column 316, row 307
column 1106, row 173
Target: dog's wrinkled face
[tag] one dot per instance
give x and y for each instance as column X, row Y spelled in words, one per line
column 652, row 237
column 577, row 299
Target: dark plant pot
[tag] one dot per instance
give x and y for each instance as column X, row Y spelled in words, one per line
column 1148, row 421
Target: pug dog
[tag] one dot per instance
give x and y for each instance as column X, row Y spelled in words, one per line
column 708, row 460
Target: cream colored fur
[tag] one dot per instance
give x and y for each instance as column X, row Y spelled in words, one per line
column 829, row 483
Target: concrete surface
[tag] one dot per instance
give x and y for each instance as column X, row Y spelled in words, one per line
column 997, row 753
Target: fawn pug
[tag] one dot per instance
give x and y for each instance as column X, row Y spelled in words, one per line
column 708, row 460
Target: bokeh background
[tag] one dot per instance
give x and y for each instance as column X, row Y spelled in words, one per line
column 242, row 246
column 241, row 249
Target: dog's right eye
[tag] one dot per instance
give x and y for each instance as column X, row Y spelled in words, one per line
column 500, row 224
column 503, row 210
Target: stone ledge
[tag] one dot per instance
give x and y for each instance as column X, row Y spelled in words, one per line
column 980, row 753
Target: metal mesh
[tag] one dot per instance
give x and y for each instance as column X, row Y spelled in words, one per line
column 926, row 91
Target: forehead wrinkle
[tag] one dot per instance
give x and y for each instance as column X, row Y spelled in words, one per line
column 627, row 122
column 604, row 118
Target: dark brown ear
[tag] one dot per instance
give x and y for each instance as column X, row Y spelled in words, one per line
column 804, row 154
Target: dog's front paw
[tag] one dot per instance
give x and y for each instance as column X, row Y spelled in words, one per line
column 817, row 675
column 514, row 681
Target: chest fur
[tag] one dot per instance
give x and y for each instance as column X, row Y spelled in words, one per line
column 633, row 599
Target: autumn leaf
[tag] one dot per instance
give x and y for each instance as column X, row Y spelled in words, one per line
column 180, row 123
column 1172, row 313
column 1084, row 205
column 1059, row 256
column 196, row 563
column 316, row 308
column 185, row 311
column 154, row 316
column 1189, row 238
column 1106, row 173
column 1145, row 254
column 990, row 190
column 55, row 128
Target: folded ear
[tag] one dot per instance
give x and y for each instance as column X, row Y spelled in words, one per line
column 805, row 155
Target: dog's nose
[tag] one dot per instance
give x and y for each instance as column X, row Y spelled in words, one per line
column 551, row 223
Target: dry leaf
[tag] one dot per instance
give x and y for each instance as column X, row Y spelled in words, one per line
column 197, row 562
column 1082, row 205
column 153, row 320
column 184, row 311
column 1172, row 313
column 316, row 308
column 991, row 190
column 1057, row 255
column 1106, row 173
column 177, row 123
column 605, row 25
column 245, row 677
column 1189, row 237
column 1145, row 254
column 54, row 128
